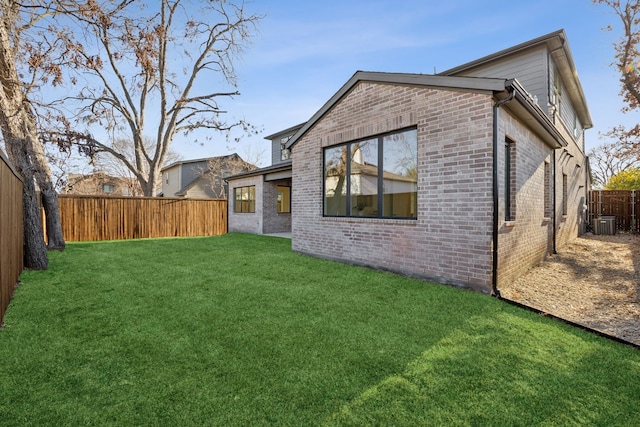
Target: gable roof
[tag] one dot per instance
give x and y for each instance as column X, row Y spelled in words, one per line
column 558, row 47
column 222, row 161
column 501, row 88
column 488, row 85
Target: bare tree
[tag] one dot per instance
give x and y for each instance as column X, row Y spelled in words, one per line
column 172, row 60
column 608, row 160
column 111, row 165
column 219, row 168
column 19, row 130
column 627, row 61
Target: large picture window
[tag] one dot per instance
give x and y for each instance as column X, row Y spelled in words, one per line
column 375, row 177
column 245, row 199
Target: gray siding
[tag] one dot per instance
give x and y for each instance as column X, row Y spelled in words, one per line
column 529, row 68
column 566, row 111
column 171, row 181
column 191, row 171
column 275, row 151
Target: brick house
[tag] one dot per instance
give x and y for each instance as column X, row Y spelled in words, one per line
column 467, row 177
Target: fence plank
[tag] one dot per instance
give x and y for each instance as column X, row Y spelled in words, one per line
column 623, row 204
column 86, row 218
column 11, row 232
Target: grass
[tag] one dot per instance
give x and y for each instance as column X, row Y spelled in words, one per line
column 239, row 330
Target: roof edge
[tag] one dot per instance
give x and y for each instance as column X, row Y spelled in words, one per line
column 284, row 132
column 505, row 52
column 486, row 84
column 555, row 42
column 261, row 171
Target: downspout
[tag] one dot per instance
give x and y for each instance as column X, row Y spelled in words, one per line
column 228, row 194
column 496, row 192
column 555, row 212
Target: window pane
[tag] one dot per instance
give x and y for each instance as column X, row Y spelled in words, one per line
column 364, row 178
column 252, row 199
column 245, row 199
column 238, row 204
column 284, row 199
column 400, row 175
column 335, row 181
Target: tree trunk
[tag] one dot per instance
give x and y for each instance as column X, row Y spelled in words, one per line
column 43, row 178
column 35, row 251
column 18, row 125
column 55, row 238
column 35, row 254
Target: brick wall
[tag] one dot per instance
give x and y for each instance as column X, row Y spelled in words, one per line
column 525, row 241
column 246, row 222
column 451, row 239
column 274, row 222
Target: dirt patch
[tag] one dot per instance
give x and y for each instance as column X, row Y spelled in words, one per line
column 593, row 281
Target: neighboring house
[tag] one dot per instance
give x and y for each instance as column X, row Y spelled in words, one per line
column 468, row 177
column 201, row 178
column 101, row 184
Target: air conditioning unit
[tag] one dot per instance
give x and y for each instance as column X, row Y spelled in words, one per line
column 604, row 225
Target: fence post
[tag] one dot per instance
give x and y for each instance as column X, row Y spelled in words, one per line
column 633, row 211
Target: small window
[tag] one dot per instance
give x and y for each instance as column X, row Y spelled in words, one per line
column 108, row 188
column 284, row 152
column 565, row 194
column 547, row 190
column 245, row 199
column 509, row 180
column 284, row 199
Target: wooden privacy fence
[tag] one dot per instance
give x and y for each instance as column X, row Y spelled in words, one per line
column 11, row 232
column 623, row 204
column 120, row 218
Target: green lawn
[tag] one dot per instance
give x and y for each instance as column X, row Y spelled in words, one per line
column 239, row 330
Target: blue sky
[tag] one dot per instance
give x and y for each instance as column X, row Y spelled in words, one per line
column 304, row 51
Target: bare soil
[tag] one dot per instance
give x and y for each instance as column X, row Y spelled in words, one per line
column 593, row 281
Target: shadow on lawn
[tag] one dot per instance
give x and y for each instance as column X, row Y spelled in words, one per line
column 502, row 371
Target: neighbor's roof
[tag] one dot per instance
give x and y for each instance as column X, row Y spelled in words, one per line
column 526, row 108
column 558, row 46
column 205, row 159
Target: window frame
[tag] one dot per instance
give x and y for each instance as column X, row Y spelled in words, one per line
column 510, row 180
column 250, row 202
column 565, row 194
column 548, row 210
column 380, row 194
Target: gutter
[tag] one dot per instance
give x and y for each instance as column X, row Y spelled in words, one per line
column 496, row 192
